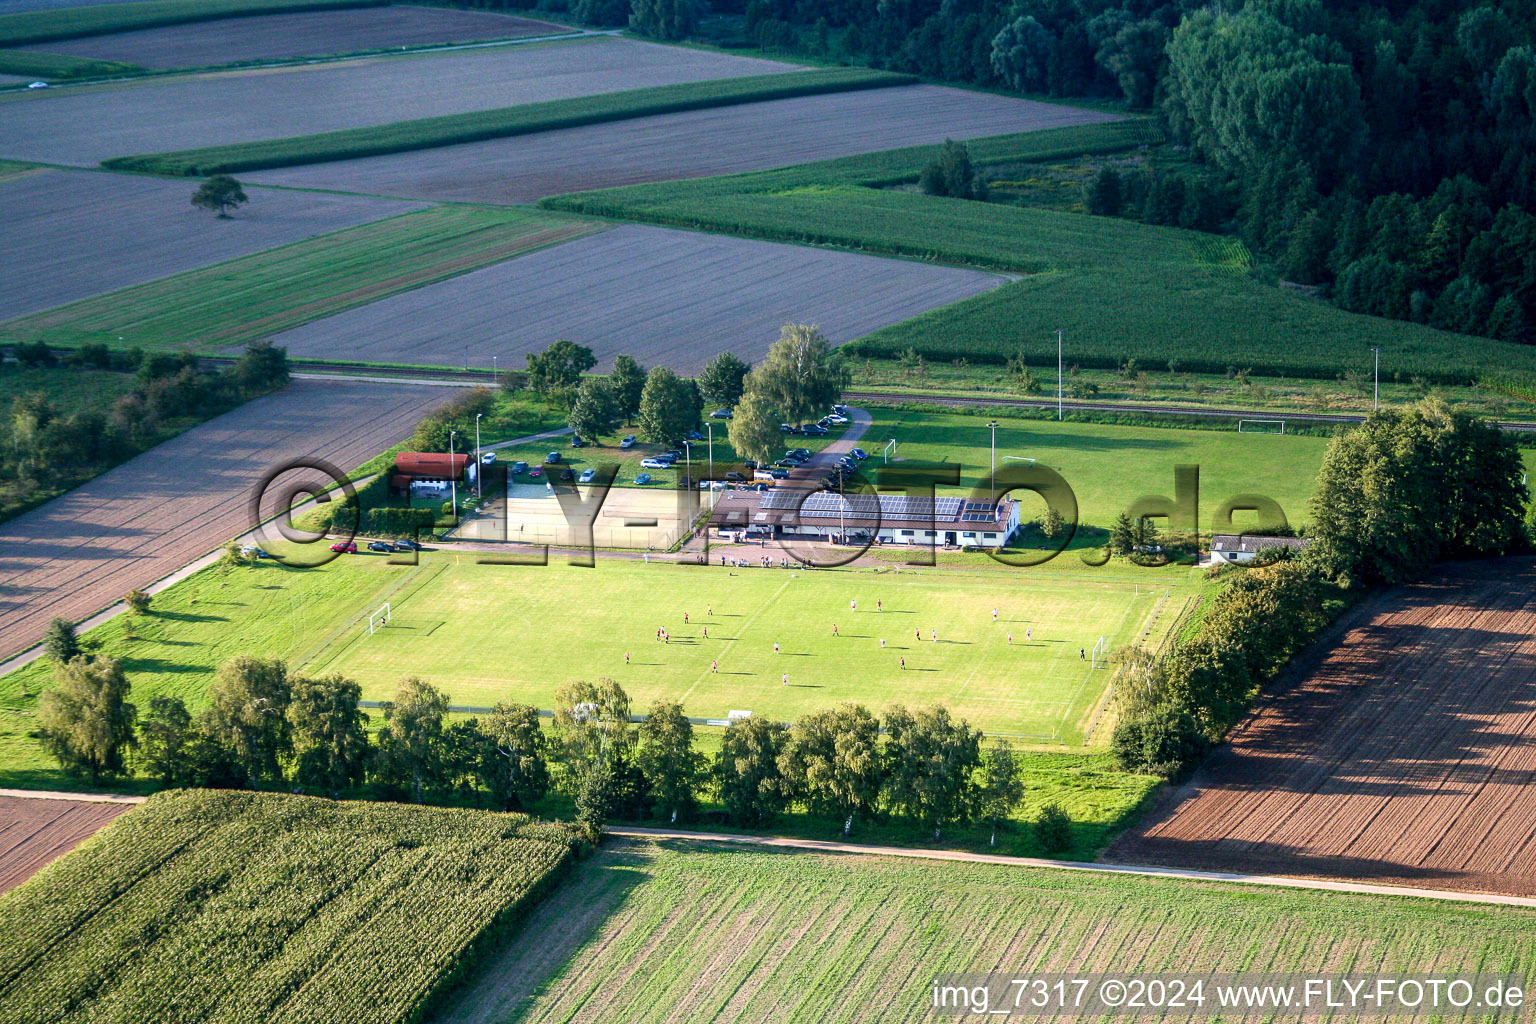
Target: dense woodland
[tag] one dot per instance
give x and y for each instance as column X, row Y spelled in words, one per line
column 1382, row 152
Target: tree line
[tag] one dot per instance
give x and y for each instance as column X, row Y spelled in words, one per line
column 266, row 727
column 45, row 451
column 1402, row 491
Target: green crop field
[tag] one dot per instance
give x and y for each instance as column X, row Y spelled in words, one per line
column 59, row 66
column 477, row 126
column 1108, row 466
column 715, row 933
column 1119, row 289
column 219, row 906
column 96, row 19
column 218, row 308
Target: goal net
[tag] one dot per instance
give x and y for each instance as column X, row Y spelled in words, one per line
column 1101, row 652
column 1261, row 426
column 379, row 619
column 1023, row 459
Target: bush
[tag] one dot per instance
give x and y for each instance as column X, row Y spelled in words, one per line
column 1163, row 742
column 137, row 601
column 1053, row 828
column 396, row 522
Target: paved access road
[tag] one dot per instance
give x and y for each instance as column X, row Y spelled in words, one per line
column 163, row 509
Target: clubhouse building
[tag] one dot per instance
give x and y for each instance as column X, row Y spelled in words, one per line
column 865, row 517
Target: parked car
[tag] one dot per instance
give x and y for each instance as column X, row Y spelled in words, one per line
column 673, row 453
column 836, row 420
column 643, row 479
column 344, row 547
column 407, row 545
column 786, row 428
column 655, row 463
column 536, row 472
column 841, row 410
column 577, row 442
column 489, row 458
column 859, row 453
column 552, row 458
column 734, row 477
column 777, row 474
column 628, row 442
column 587, row 476
column 37, row 85
column 379, row 545
column 694, row 435
column 566, row 474
column 721, row 414
column 813, row 430
column 252, row 551
column 801, row 453
column 759, row 487
column 519, row 467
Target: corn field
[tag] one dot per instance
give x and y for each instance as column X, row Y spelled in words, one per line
column 224, row 906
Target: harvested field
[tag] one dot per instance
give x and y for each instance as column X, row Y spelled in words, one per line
column 163, row 509
column 244, row 299
column 303, row 34
column 53, row 223
column 690, row 144
column 708, row 932
column 87, row 125
column 1402, row 751
column 671, row 297
column 34, row 832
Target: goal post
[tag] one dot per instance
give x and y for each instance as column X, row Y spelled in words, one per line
column 890, row 447
column 379, row 619
column 1261, row 426
column 1100, row 652
column 1025, row 459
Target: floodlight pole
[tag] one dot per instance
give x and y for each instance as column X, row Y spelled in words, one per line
column 479, row 492
column 496, row 369
column 993, row 425
column 1376, row 396
column 1058, row 375
column 453, row 479
column 711, row 428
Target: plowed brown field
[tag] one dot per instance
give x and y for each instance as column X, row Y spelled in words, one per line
column 34, row 832
column 1403, row 750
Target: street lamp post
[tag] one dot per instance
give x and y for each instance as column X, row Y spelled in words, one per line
column 496, row 370
column 479, row 491
column 993, row 426
column 1376, row 393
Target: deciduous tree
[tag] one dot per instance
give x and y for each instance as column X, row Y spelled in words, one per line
column 87, row 722
column 219, row 194
column 410, row 743
column 671, row 766
column 329, row 733
column 746, row 771
column 247, row 716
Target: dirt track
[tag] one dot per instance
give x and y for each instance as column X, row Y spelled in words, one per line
column 1403, row 753
column 34, row 832
column 300, row 34
column 163, row 509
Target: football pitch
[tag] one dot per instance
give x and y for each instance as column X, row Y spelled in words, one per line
column 485, row 633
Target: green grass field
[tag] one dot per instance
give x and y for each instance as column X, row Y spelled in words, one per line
column 718, row 934
column 221, row 907
column 485, row 633
column 1111, row 466
column 214, row 309
column 1119, row 289
column 96, row 19
column 477, row 126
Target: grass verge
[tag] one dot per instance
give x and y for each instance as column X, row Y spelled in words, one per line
column 228, row 304
column 1119, row 289
column 477, row 126
column 98, row 19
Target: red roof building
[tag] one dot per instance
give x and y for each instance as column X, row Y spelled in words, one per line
column 430, row 465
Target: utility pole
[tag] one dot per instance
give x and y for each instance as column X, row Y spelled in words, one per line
column 1058, row 375
column 1376, row 397
column 993, row 425
column 479, row 491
